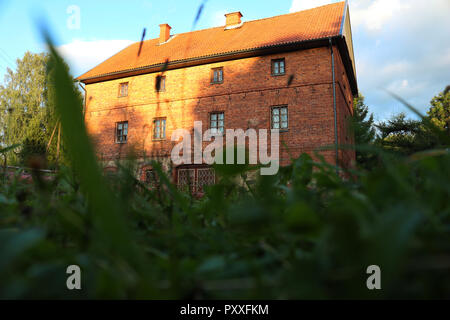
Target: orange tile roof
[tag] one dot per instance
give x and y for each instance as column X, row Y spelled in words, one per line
column 316, row 23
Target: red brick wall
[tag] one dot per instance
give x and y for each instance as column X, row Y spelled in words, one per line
column 246, row 96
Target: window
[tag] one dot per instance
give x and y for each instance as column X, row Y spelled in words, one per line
column 217, row 122
column 195, row 179
column 217, row 75
column 159, row 129
column 160, row 84
column 151, row 178
column 123, row 89
column 278, row 67
column 280, row 118
column 110, row 172
column 121, row 132
column 205, row 177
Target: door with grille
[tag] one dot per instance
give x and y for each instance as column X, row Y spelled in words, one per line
column 195, row 179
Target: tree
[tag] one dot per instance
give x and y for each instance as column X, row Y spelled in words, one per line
column 400, row 134
column 27, row 110
column 31, row 147
column 363, row 130
column 408, row 136
column 439, row 112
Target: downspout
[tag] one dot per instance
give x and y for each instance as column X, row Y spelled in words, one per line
column 334, row 104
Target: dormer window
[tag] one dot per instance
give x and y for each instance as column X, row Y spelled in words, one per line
column 217, row 75
column 123, row 89
column 278, row 67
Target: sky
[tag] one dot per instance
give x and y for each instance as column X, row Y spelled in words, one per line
column 400, row 45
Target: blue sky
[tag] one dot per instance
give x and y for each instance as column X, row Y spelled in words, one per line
column 400, row 45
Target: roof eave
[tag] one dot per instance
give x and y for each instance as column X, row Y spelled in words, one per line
column 342, row 45
column 348, row 62
column 176, row 64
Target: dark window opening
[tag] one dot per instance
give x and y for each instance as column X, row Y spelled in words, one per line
column 278, row 67
column 160, row 85
column 122, row 132
column 151, row 178
column 217, row 75
column 110, row 172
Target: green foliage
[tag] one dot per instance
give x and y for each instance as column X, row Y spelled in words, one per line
column 403, row 135
column 31, row 148
column 407, row 136
column 439, row 112
column 310, row 238
column 400, row 134
column 364, row 132
column 27, row 114
column 364, row 129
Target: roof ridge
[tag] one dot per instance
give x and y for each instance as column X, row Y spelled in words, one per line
column 344, row 16
column 299, row 28
column 297, row 12
column 251, row 21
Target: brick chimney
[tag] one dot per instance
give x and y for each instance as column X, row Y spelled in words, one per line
column 164, row 33
column 233, row 19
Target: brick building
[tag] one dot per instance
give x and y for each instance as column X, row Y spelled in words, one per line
column 295, row 72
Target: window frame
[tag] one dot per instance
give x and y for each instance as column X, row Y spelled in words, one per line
column 280, row 121
column 120, row 95
column 117, row 132
column 154, row 138
column 217, row 113
column 213, row 70
column 163, row 80
column 273, row 61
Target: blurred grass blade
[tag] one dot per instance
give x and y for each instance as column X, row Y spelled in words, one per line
column 107, row 219
column 142, row 41
column 199, row 14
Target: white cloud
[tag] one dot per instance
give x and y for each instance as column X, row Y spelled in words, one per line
column 218, row 18
column 298, row 5
column 84, row 55
column 395, row 68
column 400, row 45
column 375, row 14
column 146, row 4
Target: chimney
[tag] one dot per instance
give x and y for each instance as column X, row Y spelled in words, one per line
column 164, row 33
column 233, row 19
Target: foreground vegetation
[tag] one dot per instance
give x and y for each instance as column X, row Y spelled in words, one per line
column 304, row 233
